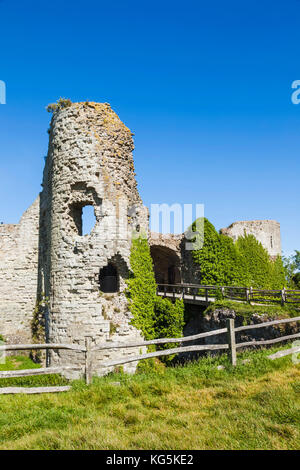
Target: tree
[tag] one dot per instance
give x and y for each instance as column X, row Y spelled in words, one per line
column 292, row 268
column 296, row 280
column 297, row 259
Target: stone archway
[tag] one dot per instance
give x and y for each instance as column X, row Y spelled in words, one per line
column 166, row 265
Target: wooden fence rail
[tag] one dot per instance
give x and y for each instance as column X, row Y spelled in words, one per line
column 231, row 344
column 89, row 351
column 286, row 352
column 206, row 294
column 267, row 323
column 166, row 352
column 31, row 347
column 8, row 374
column 46, row 370
column 111, row 345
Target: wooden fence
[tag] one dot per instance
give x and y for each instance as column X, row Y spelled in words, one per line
column 230, row 345
column 207, row 294
column 45, row 370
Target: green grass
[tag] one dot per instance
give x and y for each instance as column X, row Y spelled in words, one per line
column 253, row 406
column 23, row 362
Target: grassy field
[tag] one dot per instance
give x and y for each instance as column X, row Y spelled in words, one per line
column 255, row 406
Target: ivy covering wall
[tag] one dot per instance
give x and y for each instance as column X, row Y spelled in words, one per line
column 243, row 263
column 154, row 316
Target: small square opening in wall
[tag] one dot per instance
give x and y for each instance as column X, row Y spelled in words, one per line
column 84, row 218
column 88, row 219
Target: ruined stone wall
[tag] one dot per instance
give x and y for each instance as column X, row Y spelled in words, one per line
column 18, row 275
column 267, row 232
column 89, row 163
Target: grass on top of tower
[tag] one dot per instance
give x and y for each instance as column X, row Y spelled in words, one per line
column 60, row 104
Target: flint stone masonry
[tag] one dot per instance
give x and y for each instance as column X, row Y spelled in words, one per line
column 19, row 275
column 168, row 240
column 89, row 163
column 267, row 232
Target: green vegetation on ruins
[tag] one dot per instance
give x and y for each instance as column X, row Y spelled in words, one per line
column 60, row 104
column 242, row 263
column 155, row 317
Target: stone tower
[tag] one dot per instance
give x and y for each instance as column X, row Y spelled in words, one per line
column 89, row 163
column 267, row 232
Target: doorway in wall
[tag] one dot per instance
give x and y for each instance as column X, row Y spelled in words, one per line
column 109, row 279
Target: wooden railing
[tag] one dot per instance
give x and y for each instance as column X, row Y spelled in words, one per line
column 45, row 370
column 230, row 345
column 206, row 294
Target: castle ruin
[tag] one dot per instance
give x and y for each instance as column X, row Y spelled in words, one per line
column 81, row 279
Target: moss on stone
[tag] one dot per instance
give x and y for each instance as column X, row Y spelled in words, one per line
column 246, row 310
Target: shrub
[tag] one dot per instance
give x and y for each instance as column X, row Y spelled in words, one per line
column 142, row 288
column 61, row 103
column 296, row 280
column 168, row 319
column 148, row 366
column 168, row 323
column 154, row 316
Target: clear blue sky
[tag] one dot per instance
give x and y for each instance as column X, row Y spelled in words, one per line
column 205, row 86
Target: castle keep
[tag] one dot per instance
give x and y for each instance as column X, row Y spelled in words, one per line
column 81, row 279
column 89, row 163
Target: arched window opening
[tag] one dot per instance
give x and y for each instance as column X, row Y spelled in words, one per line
column 108, row 279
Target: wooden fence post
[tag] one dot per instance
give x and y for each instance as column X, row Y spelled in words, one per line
column 231, row 340
column 88, row 360
column 283, row 299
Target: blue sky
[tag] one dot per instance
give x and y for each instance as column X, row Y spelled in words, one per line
column 205, row 86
